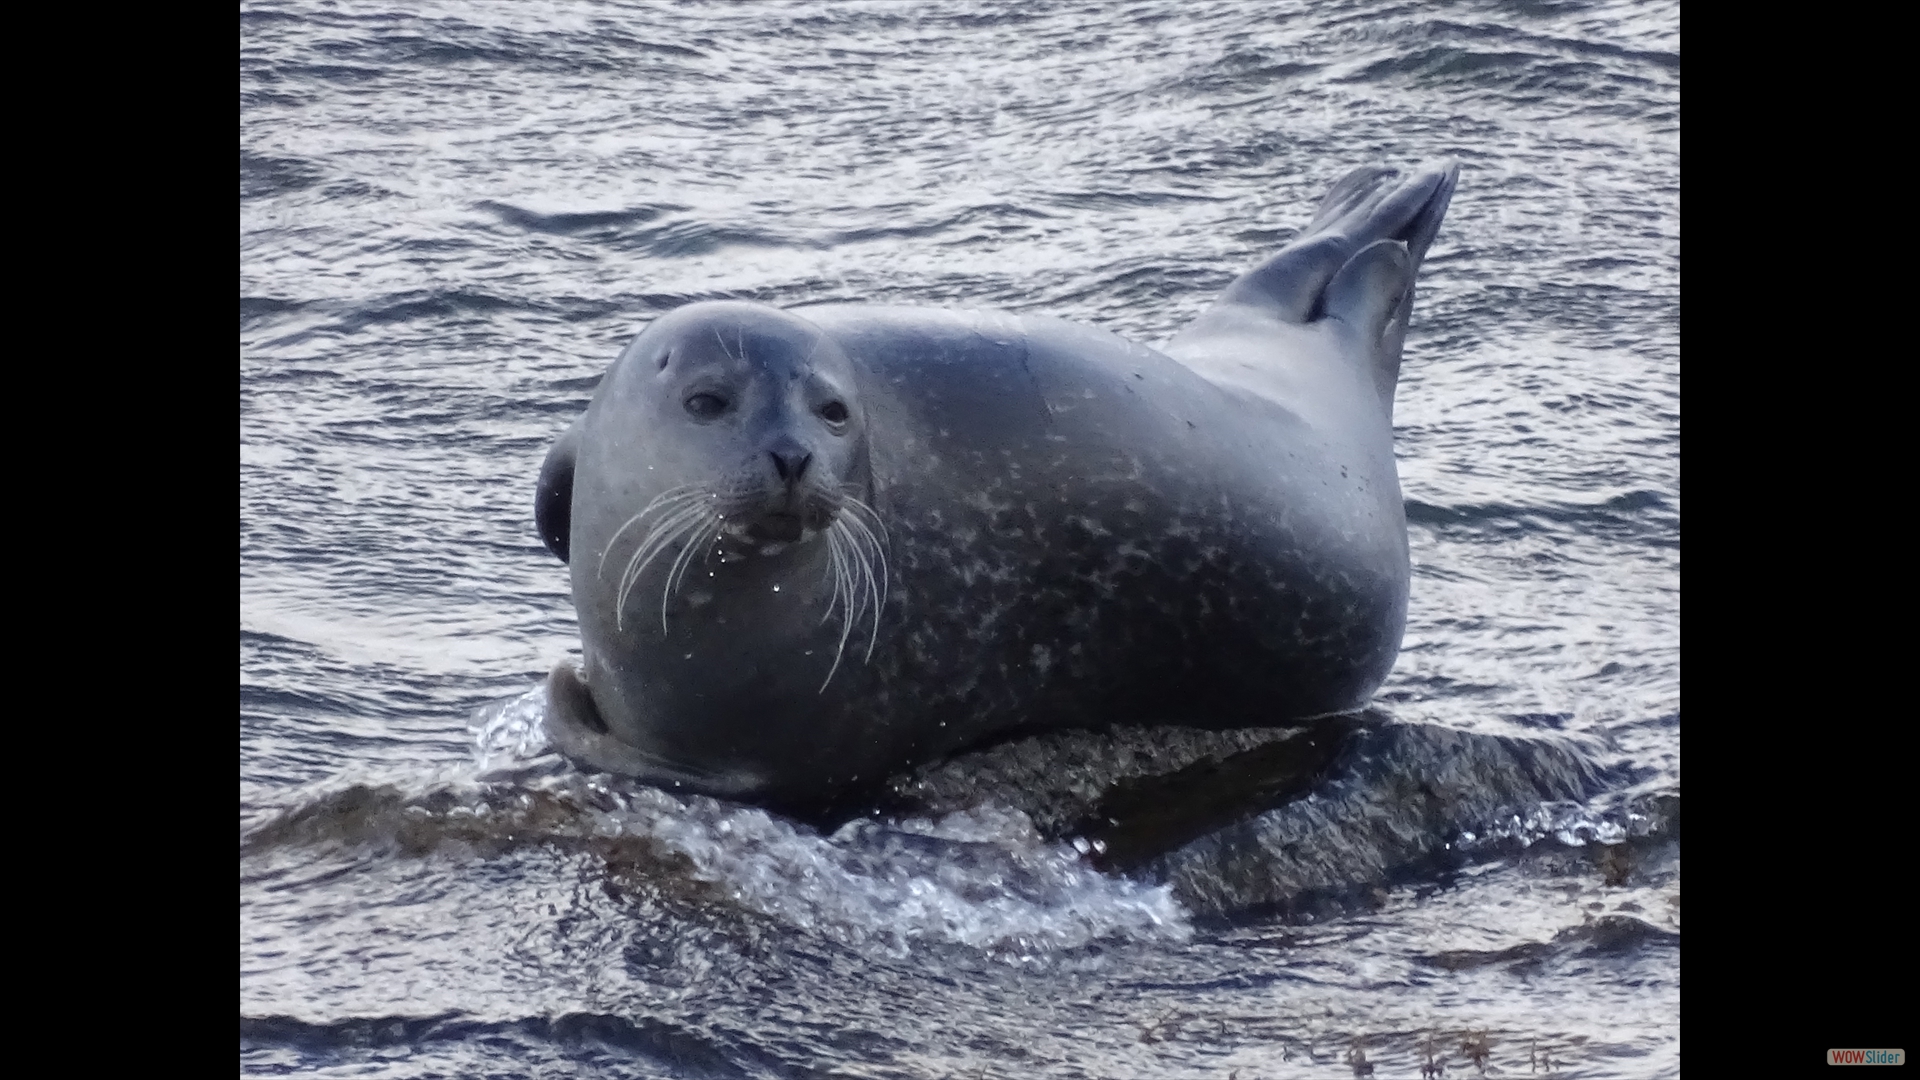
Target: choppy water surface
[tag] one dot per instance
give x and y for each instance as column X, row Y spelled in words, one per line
column 454, row 215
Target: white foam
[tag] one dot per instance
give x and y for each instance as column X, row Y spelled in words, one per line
column 512, row 733
column 983, row 877
column 1572, row 824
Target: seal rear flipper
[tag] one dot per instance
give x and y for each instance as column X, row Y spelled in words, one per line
column 1350, row 193
column 1290, row 284
column 553, row 497
column 1415, row 211
column 578, row 731
column 1363, row 209
column 1370, row 294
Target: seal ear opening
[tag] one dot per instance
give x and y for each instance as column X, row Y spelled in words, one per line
column 553, row 497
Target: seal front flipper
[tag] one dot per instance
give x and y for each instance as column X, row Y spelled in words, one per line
column 578, row 731
column 553, row 497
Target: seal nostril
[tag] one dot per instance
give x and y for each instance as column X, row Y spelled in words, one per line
column 790, row 464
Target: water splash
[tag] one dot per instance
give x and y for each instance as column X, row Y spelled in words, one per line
column 511, row 734
column 1572, row 824
column 982, row 877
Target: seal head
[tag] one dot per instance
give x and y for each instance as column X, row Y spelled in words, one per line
column 750, row 425
column 719, row 479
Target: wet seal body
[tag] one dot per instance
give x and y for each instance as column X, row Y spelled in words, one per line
column 809, row 548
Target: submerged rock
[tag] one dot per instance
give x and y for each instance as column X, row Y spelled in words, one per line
column 1257, row 819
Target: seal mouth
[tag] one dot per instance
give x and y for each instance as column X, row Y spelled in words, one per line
column 778, row 527
column 789, row 521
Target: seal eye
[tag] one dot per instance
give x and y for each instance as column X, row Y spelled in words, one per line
column 833, row 412
column 706, row 406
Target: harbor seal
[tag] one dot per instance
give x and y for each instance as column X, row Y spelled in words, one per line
column 812, row 547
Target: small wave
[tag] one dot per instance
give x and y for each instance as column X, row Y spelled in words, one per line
column 1607, row 935
column 571, row 224
column 260, row 308
column 1519, row 76
column 1000, row 217
column 616, row 1039
column 685, row 237
column 510, row 732
column 673, row 231
column 1617, row 934
column 262, row 175
column 1639, row 514
column 332, row 317
column 418, row 304
column 1572, row 824
column 983, row 878
column 1241, row 71
column 348, row 74
column 1132, row 198
column 456, row 43
column 1137, row 280
column 1557, row 43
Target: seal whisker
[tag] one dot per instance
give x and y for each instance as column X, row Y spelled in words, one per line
column 875, row 594
column 848, row 497
column 850, row 557
column 828, row 574
column 863, row 515
column 843, row 554
column 632, row 579
column 867, row 548
column 842, row 579
column 872, row 538
column 659, row 537
column 678, row 570
column 854, row 521
column 870, row 588
column 658, row 540
column 671, row 496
